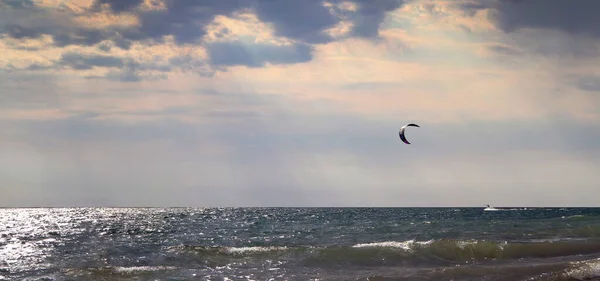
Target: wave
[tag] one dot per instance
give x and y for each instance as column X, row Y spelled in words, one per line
column 121, row 269
column 576, row 270
column 414, row 253
column 584, row 270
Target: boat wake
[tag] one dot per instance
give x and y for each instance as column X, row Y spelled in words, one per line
column 490, row 208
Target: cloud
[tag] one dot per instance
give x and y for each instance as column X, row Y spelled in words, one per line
column 26, row 21
column 17, row 3
column 80, row 61
column 306, row 21
column 127, row 75
column 187, row 21
column 125, row 31
column 301, row 20
column 470, row 8
column 256, row 55
column 63, row 25
column 126, row 69
column 503, row 49
column 587, row 82
column 370, row 15
column 557, row 29
column 555, row 44
column 574, row 17
column 119, row 6
column 246, row 102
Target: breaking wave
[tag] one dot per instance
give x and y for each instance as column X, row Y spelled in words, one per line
column 433, row 252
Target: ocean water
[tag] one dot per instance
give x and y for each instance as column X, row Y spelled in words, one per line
column 299, row 244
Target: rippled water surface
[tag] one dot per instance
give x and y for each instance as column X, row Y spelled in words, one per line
column 299, row 244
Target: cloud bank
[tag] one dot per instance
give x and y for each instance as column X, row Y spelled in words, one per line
column 298, row 103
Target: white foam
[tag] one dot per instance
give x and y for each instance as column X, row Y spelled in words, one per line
column 254, row 249
column 144, row 268
column 464, row 243
column 573, row 216
column 405, row 245
column 586, row 271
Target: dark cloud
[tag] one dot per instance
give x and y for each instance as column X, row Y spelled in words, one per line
column 303, row 20
column 20, row 32
column 105, row 47
column 186, row 20
column 554, row 44
column 587, row 83
column 17, row 3
column 256, row 55
column 128, row 66
column 576, row 17
column 27, row 22
column 123, row 69
column 471, row 7
column 551, row 28
column 38, row 66
column 370, row 15
column 79, row 37
column 81, row 61
column 120, row 5
column 87, row 37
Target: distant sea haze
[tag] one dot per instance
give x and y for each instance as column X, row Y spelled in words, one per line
column 299, row 244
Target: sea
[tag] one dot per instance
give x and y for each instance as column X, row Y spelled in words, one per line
column 373, row 244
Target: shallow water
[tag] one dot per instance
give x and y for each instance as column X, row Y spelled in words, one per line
column 299, row 244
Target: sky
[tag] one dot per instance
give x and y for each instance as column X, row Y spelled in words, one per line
column 218, row 103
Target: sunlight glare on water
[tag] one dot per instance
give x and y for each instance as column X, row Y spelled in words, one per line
column 27, row 235
column 296, row 243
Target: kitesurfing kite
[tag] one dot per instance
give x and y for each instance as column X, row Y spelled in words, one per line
column 401, row 133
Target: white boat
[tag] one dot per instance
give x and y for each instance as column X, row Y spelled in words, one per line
column 490, row 208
